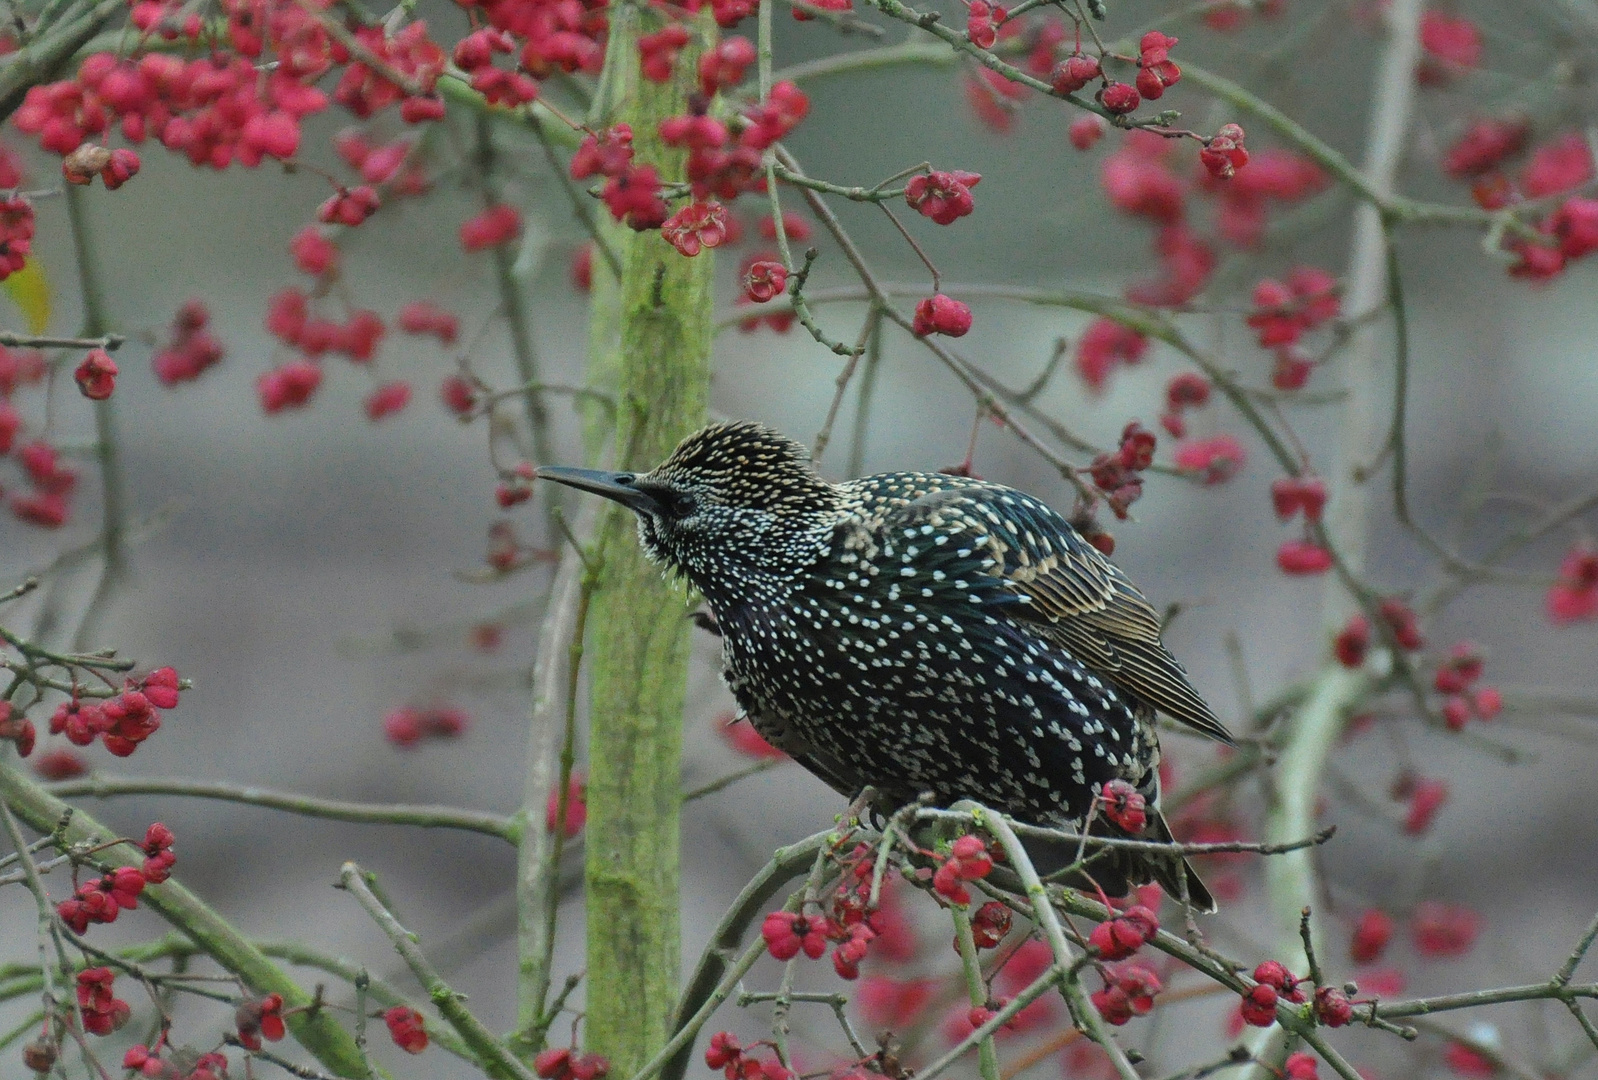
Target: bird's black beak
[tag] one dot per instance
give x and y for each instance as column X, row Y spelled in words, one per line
column 617, row 486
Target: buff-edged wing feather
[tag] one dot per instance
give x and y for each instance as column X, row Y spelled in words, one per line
column 1075, row 595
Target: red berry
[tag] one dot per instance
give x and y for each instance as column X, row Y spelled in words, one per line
column 1444, row 930
column 1259, row 1006
column 1119, row 98
column 313, row 252
column 1073, row 73
column 697, row 226
column 1352, row 642
column 96, row 376
column 499, row 224
column 989, row 924
column 1085, row 131
column 942, row 196
column 764, row 279
column 1426, row 799
column 1124, row 805
column 1120, row 937
column 1218, row 458
column 388, row 399
column 940, row 314
column 407, row 1028
column 1332, row 1006
column 1300, row 1066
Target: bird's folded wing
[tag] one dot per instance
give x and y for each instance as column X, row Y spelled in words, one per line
column 1073, row 594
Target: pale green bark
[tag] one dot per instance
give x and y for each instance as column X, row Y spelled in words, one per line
column 650, row 345
column 319, row 1031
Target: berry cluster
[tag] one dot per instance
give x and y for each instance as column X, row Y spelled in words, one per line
column 1443, row 930
column 498, row 224
column 425, row 318
column 763, row 279
column 968, row 860
column 101, row 1010
column 945, row 197
column 1140, row 180
column 1188, row 390
column 737, row 1063
column 1300, row 1066
column 220, row 109
column 113, row 167
column 1574, row 597
column 564, row 1063
column 52, row 482
column 723, row 67
column 989, row 925
column 259, row 1018
column 1119, row 476
column 190, row 349
column 1452, row 47
column 1103, row 346
column 788, row 934
column 697, row 226
column 1284, row 312
column 389, row 165
column 1273, row 983
column 1353, row 641
column 1424, row 797
column 1292, row 495
column 17, row 729
column 1371, row 935
column 1119, row 937
column 1562, row 165
column 147, row 1061
column 1214, row 460
column 290, row 319
column 103, row 899
column 1128, row 991
column 631, row 192
column 409, row 725
column 1454, row 678
column 1224, row 153
column 159, row 857
column 122, row 722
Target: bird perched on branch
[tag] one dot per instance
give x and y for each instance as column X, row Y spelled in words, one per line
column 921, row 633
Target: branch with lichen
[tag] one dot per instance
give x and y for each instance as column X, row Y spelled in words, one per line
column 69, row 828
column 491, row 1054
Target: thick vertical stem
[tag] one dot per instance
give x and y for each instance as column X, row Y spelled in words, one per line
column 651, row 335
column 511, row 297
column 107, row 448
column 538, row 864
column 1290, row 880
column 1365, row 427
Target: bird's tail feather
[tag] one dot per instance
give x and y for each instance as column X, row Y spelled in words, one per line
column 1117, row 871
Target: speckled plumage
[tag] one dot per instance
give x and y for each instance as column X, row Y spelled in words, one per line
column 919, row 632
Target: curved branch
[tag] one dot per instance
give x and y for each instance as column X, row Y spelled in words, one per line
column 426, row 817
column 491, row 1054
column 315, row 1029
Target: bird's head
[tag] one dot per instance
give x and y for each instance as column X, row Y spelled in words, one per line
column 733, row 501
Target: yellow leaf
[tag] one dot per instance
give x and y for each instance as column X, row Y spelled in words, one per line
column 29, row 289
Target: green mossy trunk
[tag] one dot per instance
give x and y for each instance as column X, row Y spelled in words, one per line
column 650, row 346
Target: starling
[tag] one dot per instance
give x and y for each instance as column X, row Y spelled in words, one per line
column 921, row 633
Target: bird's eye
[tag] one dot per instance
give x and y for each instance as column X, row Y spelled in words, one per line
column 680, row 504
